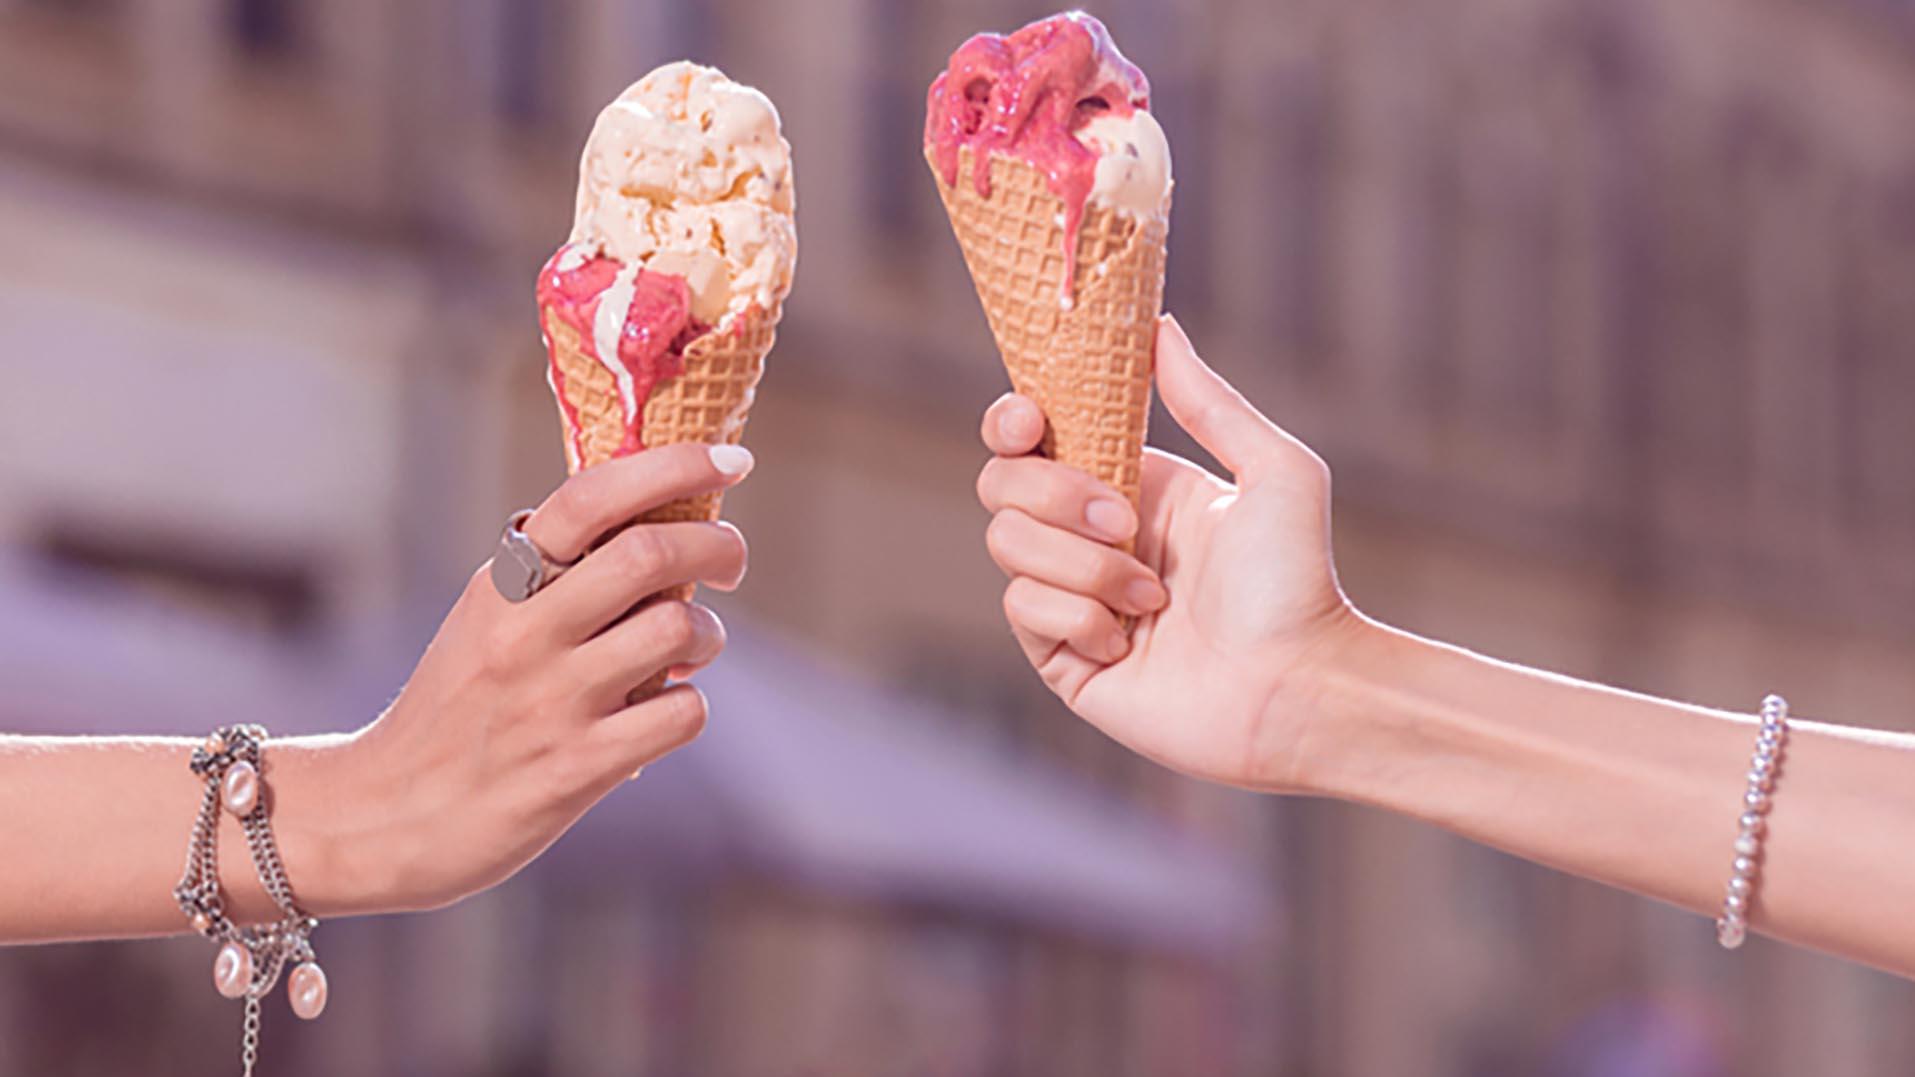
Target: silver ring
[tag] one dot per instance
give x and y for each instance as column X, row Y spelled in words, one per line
column 519, row 568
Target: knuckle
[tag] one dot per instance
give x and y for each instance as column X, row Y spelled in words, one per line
column 641, row 552
column 504, row 647
column 1084, row 620
column 1058, row 492
column 573, row 768
column 681, row 467
column 1096, row 569
column 674, row 625
column 580, row 502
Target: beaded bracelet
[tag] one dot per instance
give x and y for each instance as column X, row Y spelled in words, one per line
column 1732, row 927
column 231, row 762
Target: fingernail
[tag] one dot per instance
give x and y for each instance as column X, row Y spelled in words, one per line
column 1116, row 646
column 1110, row 519
column 732, row 460
column 1015, row 425
column 1146, row 596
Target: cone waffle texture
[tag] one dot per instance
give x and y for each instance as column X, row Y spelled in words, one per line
column 707, row 402
column 1089, row 366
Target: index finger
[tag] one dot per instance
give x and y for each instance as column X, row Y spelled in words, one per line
column 1013, row 425
column 606, row 497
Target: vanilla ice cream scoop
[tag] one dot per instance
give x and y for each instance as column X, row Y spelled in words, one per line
column 686, row 173
column 1133, row 161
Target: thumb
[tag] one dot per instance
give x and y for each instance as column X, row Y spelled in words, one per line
column 1211, row 410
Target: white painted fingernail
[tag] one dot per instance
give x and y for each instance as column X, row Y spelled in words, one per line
column 733, row 460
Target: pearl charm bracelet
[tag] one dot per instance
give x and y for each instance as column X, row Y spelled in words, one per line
column 231, row 761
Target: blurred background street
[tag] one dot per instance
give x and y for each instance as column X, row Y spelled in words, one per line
column 1602, row 311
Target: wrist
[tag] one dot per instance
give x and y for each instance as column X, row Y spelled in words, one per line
column 329, row 823
column 1357, row 702
column 1310, row 728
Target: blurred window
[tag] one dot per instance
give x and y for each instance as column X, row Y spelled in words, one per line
column 271, row 27
column 1296, row 143
column 693, row 32
column 522, row 87
column 894, row 117
column 255, row 592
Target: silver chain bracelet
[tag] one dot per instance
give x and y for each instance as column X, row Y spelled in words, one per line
column 231, row 762
column 1732, row 927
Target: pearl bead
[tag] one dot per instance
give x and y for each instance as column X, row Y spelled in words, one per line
column 201, row 922
column 1763, row 760
column 233, row 970
column 1756, row 800
column 1731, row 933
column 1753, row 824
column 1740, row 886
column 1736, row 903
column 240, row 791
column 1744, row 866
column 212, row 744
column 1761, row 779
column 1747, row 845
column 306, row 990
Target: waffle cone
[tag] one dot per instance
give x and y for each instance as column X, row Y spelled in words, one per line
column 1088, row 367
column 706, row 402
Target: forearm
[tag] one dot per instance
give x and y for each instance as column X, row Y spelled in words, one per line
column 96, row 828
column 1632, row 791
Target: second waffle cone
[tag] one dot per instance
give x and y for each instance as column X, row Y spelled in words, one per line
column 1088, row 365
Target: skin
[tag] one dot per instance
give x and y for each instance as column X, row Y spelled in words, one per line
column 1248, row 666
column 515, row 722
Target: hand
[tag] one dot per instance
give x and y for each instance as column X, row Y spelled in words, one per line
column 516, row 720
column 1235, row 597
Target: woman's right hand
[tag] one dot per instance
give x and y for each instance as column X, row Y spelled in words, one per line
column 1237, row 608
column 516, row 719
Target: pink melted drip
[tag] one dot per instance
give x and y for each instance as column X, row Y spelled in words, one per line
column 1025, row 95
column 651, row 345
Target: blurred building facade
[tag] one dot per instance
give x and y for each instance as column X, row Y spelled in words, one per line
column 1600, row 309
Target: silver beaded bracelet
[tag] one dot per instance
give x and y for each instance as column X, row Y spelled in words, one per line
column 1732, row 927
column 250, row 959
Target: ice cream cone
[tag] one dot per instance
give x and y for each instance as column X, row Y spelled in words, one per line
column 1082, row 350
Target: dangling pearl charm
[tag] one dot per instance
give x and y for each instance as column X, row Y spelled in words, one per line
column 306, row 990
column 201, row 922
column 233, row 970
column 240, row 791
